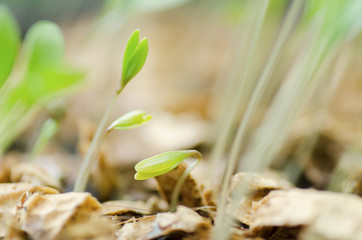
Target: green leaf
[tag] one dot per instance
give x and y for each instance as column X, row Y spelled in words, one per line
column 9, row 43
column 43, row 46
column 137, row 61
column 50, row 82
column 130, row 120
column 130, row 48
column 134, row 58
column 162, row 163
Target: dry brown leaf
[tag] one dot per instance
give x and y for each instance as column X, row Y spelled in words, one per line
column 63, row 216
column 347, row 176
column 157, row 204
column 136, row 230
column 256, row 186
column 12, row 196
column 190, row 194
column 318, row 215
column 122, row 210
column 9, row 161
column 184, row 220
column 33, row 174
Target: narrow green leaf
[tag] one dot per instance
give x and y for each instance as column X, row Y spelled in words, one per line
column 130, row 120
column 130, row 48
column 9, row 43
column 137, row 61
column 43, row 46
column 162, row 163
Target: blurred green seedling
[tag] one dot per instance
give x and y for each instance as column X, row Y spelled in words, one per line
column 164, row 163
column 48, row 130
column 133, row 60
column 41, row 73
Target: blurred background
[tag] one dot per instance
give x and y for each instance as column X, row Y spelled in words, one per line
column 206, row 63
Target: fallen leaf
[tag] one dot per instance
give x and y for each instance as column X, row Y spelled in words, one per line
column 33, row 174
column 256, row 186
column 315, row 214
column 136, row 229
column 184, row 220
column 63, row 216
column 12, row 196
column 121, row 210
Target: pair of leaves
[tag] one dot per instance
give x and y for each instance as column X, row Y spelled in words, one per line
column 134, row 57
column 163, row 163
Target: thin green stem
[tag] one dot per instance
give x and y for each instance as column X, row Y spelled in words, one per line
column 92, row 153
column 180, row 182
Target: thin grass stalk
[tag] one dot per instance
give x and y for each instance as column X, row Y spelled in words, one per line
column 282, row 113
column 261, row 86
column 221, row 100
column 302, row 71
column 255, row 99
column 225, row 131
column 307, row 146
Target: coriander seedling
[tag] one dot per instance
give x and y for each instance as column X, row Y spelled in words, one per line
column 40, row 75
column 164, row 163
column 133, row 60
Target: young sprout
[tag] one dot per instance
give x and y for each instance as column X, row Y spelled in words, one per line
column 130, row 120
column 133, row 60
column 164, row 163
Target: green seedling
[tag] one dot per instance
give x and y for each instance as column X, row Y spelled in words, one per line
column 47, row 131
column 164, row 163
column 42, row 74
column 133, row 60
column 130, row 120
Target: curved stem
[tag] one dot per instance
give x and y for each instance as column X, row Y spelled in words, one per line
column 180, row 182
column 92, row 153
